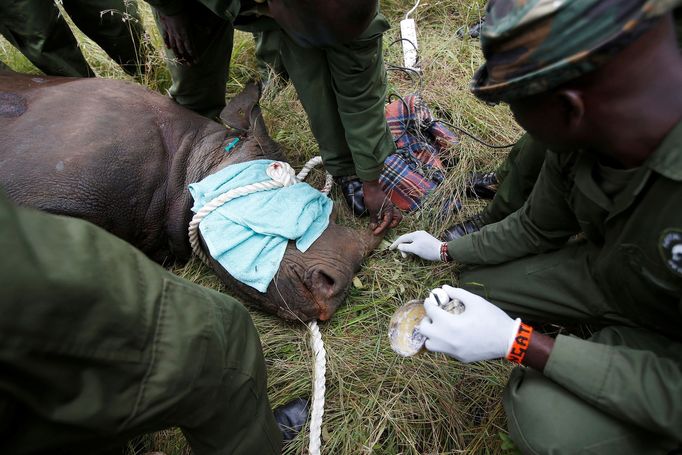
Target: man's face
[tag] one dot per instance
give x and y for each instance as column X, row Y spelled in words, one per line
column 544, row 117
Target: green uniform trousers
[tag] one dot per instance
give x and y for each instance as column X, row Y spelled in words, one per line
column 38, row 30
column 342, row 88
column 100, row 344
column 543, row 415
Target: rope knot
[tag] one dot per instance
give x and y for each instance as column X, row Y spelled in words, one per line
column 281, row 173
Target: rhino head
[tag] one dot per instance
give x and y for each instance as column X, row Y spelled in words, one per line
column 122, row 157
column 310, row 285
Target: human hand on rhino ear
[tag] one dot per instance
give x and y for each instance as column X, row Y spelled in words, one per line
column 177, row 36
column 383, row 214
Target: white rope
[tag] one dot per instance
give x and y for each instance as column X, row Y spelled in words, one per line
column 281, row 175
column 319, row 387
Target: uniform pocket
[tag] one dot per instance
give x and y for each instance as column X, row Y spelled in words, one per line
column 645, row 291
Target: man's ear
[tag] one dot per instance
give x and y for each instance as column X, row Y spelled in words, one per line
column 573, row 108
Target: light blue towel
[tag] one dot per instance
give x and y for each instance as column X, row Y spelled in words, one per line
column 248, row 235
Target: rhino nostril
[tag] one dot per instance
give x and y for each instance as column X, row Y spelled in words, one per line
column 324, row 283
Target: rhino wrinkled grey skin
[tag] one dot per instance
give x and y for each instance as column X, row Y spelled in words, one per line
column 122, row 157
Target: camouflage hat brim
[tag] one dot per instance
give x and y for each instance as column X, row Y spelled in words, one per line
column 532, row 46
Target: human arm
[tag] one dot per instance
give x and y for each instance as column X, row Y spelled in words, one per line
column 544, row 222
column 632, row 374
column 176, row 28
column 359, row 85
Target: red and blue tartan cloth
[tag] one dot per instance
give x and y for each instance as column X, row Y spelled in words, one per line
column 416, row 168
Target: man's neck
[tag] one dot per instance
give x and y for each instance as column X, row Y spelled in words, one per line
column 634, row 145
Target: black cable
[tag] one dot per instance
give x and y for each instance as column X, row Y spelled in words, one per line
column 407, row 110
column 407, row 70
column 466, row 133
column 409, row 41
column 411, row 71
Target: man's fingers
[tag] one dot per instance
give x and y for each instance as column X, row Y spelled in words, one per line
column 182, row 46
column 435, row 346
column 385, row 222
column 459, row 293
column 426, row 328
column 405, row 249
column 433, row 311
column 175, row 47
column 397, row 218
column 189, row 48
column 402, row 239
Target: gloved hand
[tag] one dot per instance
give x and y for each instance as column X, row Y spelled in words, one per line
column 481, row 332
column 419, row 243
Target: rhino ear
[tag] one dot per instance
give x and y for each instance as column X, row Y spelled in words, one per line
column 238, row 112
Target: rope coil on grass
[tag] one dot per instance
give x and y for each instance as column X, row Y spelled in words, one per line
column 281, row 175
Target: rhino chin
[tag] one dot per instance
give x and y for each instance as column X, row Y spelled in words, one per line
column 300, row 304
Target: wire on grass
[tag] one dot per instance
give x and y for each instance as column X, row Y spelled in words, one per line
column 477, row 139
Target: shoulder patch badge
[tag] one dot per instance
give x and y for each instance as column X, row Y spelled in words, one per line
column 670, row 248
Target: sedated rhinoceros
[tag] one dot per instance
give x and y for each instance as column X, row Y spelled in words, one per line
column 122, row 157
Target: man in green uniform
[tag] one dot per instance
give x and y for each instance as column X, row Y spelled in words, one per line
column 100, row 344
column 515, row 177
column 598, row 82
column 332, row 52
column 40, row 32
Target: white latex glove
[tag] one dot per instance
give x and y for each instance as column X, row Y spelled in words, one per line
column 419, row 243
column 481, row 332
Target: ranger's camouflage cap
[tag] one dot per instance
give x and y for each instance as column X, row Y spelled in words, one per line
column 532, row 46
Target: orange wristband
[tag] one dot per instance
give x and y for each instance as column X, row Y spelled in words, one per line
column 520, row 344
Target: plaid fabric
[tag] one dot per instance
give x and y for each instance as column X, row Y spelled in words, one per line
column 416, row 169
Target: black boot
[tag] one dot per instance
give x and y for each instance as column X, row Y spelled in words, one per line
column 291, row 417
column 473, row 224
column 473, row 31
column 351, row 187
column 483, row 186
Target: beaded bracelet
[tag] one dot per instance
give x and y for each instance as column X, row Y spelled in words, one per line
column 520, row 344
column 444, row 252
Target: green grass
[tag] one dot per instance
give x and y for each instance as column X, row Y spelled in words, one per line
column 376, row 402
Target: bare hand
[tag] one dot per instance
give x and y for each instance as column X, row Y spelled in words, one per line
column 383, row 214
column 177, row 36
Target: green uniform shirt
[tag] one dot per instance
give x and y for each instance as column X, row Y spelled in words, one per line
column 635, row 256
